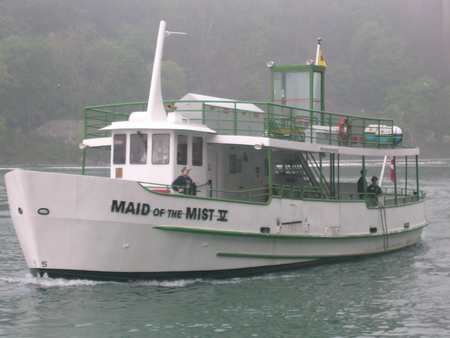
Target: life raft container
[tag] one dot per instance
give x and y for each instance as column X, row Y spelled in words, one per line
column 382, row 134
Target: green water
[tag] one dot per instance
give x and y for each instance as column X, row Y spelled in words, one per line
column 400, row 294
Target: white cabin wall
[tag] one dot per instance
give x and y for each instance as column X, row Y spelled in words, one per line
column 247, row 172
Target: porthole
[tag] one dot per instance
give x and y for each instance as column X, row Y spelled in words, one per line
column 43, row 211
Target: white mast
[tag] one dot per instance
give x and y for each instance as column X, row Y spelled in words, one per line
column 155, row 108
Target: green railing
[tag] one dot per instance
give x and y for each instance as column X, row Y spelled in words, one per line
column 99, row 117
column 263, row 195
column 251, row 195
column 261, row 119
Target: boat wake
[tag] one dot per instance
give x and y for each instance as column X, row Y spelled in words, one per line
column 28, row 279
column 45, row 282
column 168, row 284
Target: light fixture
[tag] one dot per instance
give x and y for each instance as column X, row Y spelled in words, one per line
column 258, row 146
column 270, row 64
column 82, row 146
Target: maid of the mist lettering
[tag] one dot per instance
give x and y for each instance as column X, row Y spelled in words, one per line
column 203, row 214
column 130, row 208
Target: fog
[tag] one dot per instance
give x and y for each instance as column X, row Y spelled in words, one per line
column 385, row 58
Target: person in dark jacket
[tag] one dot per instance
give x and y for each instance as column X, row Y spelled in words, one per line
column 374, row 191
column 184, row 184
column 362, row 184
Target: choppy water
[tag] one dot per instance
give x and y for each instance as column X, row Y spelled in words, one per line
column 401, row 294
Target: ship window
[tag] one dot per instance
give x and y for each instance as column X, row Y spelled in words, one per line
column 138, row 148
column 197, row 151
column 182, row 149
column 292, row 88
column 120, row 146
column 160, row 148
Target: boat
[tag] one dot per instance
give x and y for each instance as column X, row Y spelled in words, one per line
column 272, row 193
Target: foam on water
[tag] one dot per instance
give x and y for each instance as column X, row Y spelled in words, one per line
column 46, row 282
column 28, row 279
column 168, row 284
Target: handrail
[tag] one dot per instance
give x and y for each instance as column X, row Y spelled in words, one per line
column 261, row 119
column 316, row 168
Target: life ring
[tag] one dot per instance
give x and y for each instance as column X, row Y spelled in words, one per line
column 344, row 129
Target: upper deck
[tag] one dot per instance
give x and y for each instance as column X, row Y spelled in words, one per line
column 260, row 119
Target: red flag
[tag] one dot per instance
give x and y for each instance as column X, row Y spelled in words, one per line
column 392, row 169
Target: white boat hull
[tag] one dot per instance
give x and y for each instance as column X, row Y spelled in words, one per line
column 76, row 226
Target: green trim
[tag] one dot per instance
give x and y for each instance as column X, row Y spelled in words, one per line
column 306, row 68
column 267, row 256
column 278, row 236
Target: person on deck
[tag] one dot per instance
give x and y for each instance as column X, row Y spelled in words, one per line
column 362, row 184
column 374, row 191
column 184, row 184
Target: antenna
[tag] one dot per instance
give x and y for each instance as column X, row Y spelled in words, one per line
column 169, row 33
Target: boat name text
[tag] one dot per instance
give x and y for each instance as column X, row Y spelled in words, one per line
column 204, row 214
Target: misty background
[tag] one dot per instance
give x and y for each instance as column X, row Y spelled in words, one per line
column 385, row 58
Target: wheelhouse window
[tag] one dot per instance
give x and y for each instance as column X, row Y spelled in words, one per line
column 292, row 87
column 138, row 148
column 197, row 151
column 160, row 148
column 182, row 147
column 120, row 147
